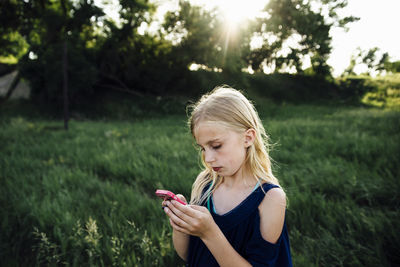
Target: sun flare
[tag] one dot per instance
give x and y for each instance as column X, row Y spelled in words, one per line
column 237, row 11
column 234, row 11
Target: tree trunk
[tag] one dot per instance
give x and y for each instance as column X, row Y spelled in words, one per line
column 65, row 85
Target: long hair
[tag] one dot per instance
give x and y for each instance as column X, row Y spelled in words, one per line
column 230, row 108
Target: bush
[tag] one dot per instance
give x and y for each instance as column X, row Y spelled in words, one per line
column 292, row 88
column 382, row 91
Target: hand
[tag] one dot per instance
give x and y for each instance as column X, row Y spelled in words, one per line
column 190, row 219
column 181, row 197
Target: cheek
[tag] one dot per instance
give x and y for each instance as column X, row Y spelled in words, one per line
column 236, row 156
column 242, row 154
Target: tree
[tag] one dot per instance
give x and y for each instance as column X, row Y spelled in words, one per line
column 200, row 36
column 372, row 62
column 293, row 30
column 392, row 66
column 193, row 32
column 132, row 62
column 12, row 44
column 44, row 25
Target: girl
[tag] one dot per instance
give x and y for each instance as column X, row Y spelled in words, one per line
column 236, row 215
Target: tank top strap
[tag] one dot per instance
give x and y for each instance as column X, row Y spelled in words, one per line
column 261, row 191
column 255, row 187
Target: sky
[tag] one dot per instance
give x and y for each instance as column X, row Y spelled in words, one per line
column 379, row 26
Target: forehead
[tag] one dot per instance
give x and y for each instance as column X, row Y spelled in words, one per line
column 210, row 131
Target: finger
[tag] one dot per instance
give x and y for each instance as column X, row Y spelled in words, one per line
column 181, row 197
column 164, row 203
column 175, row 219
column 185, row 210
column 175, row 209
column 185, row 213
column 178, row 228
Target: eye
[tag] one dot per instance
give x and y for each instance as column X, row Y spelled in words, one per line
column 217, row 147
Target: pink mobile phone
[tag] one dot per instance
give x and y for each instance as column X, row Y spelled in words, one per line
column 167, row 195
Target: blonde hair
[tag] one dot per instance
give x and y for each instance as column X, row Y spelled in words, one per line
column 229, row 107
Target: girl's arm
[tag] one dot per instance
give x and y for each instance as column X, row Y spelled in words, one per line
column 179, row 239
column 181, row 243
column 272, row 214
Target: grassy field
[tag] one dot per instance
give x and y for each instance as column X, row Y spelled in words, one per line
column 86, row 196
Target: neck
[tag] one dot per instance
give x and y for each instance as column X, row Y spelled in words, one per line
column 240, row 179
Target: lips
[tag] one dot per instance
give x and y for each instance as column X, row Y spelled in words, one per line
column 216, row 168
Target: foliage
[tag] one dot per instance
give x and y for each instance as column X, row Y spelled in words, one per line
column 294, row 88
column 300, row 28
column 370, row 59
column 385, row 92
column 202, row 37
column 374, row 63
column 135, row 63
column 86, row 196
column 193, row 32
column 132, row 62
column 12, row 44
column 392, row 66
column 381, row 91
column 278, row 87
column 104, row 54
column 45, row 26
column 45, row 74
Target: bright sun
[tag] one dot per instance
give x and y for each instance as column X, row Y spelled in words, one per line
column 236, row 11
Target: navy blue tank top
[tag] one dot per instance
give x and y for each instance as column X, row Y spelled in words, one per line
column 241, row 226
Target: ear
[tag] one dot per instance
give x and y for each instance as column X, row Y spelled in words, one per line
column 249, row 137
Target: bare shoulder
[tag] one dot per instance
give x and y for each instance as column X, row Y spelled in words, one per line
column 272, row 214
column 275, row 196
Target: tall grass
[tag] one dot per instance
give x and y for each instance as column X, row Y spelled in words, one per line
column 86, row 196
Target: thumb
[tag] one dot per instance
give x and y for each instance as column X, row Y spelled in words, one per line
column 181, row 197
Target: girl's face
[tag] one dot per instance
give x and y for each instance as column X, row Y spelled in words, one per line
column 224, row 150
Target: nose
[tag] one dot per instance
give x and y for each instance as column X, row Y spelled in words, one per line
column 209, row 156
